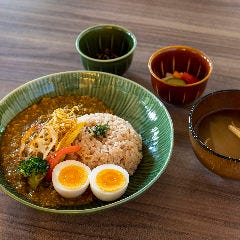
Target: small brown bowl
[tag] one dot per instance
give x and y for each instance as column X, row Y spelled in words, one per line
column 225, row 166
column 181, row 59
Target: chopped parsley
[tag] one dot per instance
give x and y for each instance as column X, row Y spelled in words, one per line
column 99, row 130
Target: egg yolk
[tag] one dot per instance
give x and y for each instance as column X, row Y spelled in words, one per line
column 72, row 176
column 110, row 180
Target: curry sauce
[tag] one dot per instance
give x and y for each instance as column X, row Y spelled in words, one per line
column 45, row 195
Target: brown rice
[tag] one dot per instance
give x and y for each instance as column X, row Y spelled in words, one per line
column 121, row 146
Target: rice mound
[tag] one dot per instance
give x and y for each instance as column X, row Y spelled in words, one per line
column 121, row 146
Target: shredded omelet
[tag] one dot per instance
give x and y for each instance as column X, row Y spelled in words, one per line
column 40, row 140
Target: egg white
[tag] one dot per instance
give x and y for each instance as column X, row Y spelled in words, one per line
column 104, row 195
column 64, row 190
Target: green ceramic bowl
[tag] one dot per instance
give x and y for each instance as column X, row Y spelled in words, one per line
column 127, row 99
column 107, row 48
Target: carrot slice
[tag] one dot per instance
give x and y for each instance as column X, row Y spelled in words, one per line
column 177, row 74
column 56, row 158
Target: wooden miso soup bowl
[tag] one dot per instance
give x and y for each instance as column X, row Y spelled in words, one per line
column 224, row 166
column 181, row 59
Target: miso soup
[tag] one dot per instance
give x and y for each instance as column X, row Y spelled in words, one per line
column 220, row 131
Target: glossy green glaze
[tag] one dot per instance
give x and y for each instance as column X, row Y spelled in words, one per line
column 93, row 41
column 127, row 99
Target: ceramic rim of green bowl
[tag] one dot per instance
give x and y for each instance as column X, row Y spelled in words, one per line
column 194, row 134
column 116, row 203
column 125, row 30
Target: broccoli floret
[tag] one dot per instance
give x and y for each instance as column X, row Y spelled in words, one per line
column 35, row 169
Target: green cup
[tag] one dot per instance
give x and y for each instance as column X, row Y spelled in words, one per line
column 106, row 48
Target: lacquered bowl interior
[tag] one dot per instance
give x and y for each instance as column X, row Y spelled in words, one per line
column 181, row 59
column 127, row 99
column 222, row 165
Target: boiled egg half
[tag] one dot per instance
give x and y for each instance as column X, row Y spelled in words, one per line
column 70, row 178
column 108, row 182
